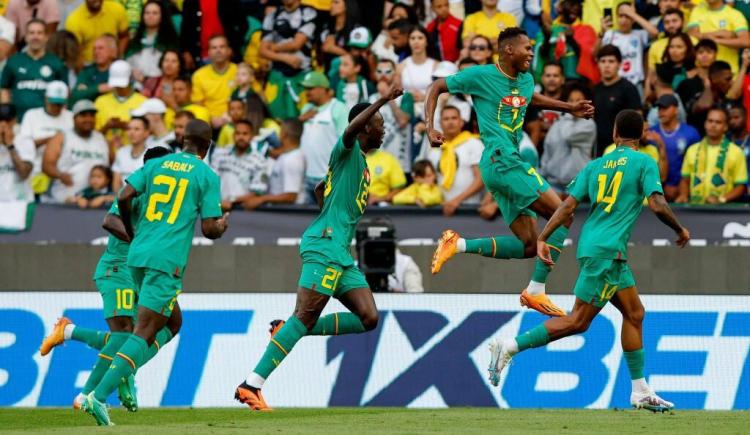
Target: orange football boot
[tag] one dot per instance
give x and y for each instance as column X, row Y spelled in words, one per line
column 541, row 303
column 251, row 397
column 56, row 338
column 446, row 248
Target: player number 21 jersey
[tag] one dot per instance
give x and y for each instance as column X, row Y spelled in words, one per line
column 615, row 184
column 175, row 188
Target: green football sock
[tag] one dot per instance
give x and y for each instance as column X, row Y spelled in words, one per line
column 496, row 247
column 280, row 346
column 337, row 324
column 130, row 356
column 162, row 338
column 555, row 242
column 92, row 337
column 107, row 354
column 636, row 360
column 535, row 337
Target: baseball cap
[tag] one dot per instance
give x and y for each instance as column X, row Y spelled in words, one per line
column 119, row 74
column 360, row 37
column 667, row 100
column 152, row 105
column 445, row 69
column 315, row 79
column 57, row 92
column 7, row 112
column 82, row 106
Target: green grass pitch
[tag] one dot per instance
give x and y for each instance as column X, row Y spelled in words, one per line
column 376, row 421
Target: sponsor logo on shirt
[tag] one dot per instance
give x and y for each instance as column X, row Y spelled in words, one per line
column 32, row 85
column 514, row 101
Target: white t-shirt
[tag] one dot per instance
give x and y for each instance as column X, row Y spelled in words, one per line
column 13, row 188
column 288, row 174
column 406, row 278
column 77, row 157
column 126, row 163
column 396, row 139
column 632, row 46
column 468, row 156
column 38, row 124
column 153, row 141
column 320, row 134
column 240, row 175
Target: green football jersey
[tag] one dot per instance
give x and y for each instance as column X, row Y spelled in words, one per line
column 345, row 199
column 615, row 184
column 116, row 252
column 500, row 103
column 175, row 189
column 27, row 79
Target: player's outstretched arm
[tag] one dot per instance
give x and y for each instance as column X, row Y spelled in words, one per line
column 214, row 228
column 563, row 214
column 658, row 204
column 360, row 121
column 580, row 109
column 437, row 87
column 113, row 224
column 124, row 203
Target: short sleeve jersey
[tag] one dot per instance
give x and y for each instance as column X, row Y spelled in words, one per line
column 725, row 18
column 175, row 189
column 27, row 79
column 116, row 252
column 500, row 102
column 615, row 184
column 345, row 199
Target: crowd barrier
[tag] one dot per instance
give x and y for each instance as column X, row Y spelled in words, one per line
column 427, row 351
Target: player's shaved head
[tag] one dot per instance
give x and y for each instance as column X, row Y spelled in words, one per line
column 197, row 135
column 629, row 124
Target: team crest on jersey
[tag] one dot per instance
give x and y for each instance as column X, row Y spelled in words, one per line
column 45, row 71
column 514, row 101
column 723, row 24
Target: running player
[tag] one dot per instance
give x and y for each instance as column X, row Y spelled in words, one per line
column 501, row 93
column 615, row 184
column 327, row 265
column 175, row 188
column 115, row 284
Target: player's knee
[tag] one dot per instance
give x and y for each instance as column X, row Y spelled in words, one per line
column 307, row 317
column 580, row 325
column 370, row 320
column 636, row 315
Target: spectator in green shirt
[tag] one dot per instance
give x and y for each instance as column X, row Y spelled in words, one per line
column 92, row 80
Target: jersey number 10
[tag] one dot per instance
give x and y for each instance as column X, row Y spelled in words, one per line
column 608, row 191
column 157, row 198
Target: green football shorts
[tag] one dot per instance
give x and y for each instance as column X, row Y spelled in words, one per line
column 326, row 277
column 599, row 279
column 118, row 292
column 157, row 290
column 514, row 188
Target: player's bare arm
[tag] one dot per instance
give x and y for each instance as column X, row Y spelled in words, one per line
column 658, row 204
column 563, row 214
column 320, row 189
column 430, row 103
column 113, row 225
column 360, row 121
column 580, row 109
column 124, row 202
column 214, row 228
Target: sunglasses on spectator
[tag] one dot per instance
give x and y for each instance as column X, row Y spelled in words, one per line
column 384, row 71
column 478, row 47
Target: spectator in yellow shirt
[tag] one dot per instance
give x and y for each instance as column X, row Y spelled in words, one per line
column 113, row 108
column 236, row 111
column 488, row 22
column 386, row 176
column 424, row 192
column 674, row 22
column 95, row 18
column 724, row 25
column 213, row 83
column 714, row 170
column 182, row 88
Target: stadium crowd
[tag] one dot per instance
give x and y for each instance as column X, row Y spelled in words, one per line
column 89, row 85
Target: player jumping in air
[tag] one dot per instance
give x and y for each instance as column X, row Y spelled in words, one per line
column 327, row 265
column 115, row 284
column 175, row 189
column 501, row 93
column 615, row 184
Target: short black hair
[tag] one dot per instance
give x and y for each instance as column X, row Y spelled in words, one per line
column 555, row 64
column 450, row 107
column 357, row 109
column 467, row 61
column 609, row 50
column 509, row 34
column 420, row 167
column 292, row 127
column 244, row 122
column 186, row 113
column 155, row 153
column 738, row 107
column 574, row 86
column 185, row 79
column 37, row 21
column 143, row 119
column 106, row 170
column 718, row 66
column 675, row 11
column 721, row 109
column 707, row 43
column 629, row 124
column 402, row 25
column 386, row 60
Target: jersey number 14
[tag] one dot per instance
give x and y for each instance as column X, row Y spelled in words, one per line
column 608, row 190
column 164, row 198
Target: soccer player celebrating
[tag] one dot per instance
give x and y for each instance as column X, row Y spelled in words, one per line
column 501, row 93
column 115, row 284
column 615, row 184
column 175, row 188
column 327, row 265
